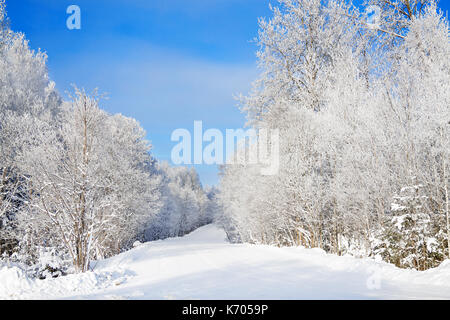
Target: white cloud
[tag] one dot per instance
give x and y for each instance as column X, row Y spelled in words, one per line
column 145, row 80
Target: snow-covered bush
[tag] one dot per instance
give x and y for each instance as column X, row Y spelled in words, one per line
column 408, row 235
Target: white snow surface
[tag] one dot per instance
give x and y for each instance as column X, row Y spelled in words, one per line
column 203, row 265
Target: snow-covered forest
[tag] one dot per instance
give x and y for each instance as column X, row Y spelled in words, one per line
column 364, row 119
column 363, row 112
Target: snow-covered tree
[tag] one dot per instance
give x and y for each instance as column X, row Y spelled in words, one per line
column 186, row 205
column 312, row 89
column 91, row 190
column 418, row 96
column 408, row 239
column 356, row 117
column 26, row 95
column 395, row 15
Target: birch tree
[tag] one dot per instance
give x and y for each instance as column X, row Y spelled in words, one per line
column 89, row 181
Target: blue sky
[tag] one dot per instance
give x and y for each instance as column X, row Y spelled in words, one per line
column 164, row 62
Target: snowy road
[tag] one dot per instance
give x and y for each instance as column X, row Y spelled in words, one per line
column 203, row 265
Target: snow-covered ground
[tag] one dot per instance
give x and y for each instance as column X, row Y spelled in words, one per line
column 202, row 265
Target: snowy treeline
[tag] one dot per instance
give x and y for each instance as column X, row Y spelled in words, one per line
column 77, row 183
column 363, row 111
column 186, row 206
